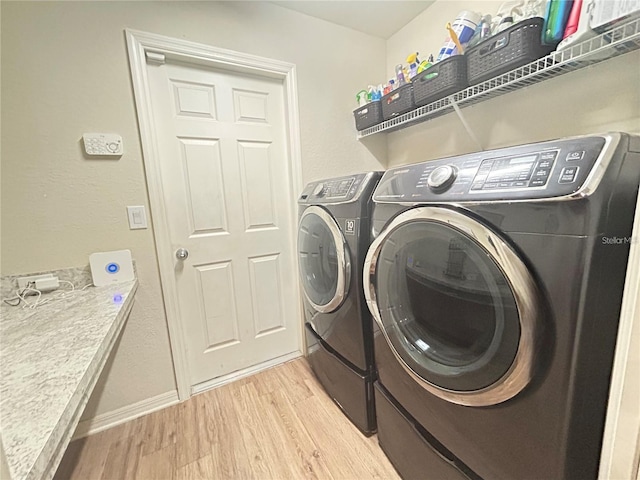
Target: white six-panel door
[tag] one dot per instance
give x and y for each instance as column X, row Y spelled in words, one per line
column 224, row 171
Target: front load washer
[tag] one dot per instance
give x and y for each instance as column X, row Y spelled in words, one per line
column 333, row 237
column 496, row 280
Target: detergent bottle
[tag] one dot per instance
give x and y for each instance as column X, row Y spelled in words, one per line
column 464, row 27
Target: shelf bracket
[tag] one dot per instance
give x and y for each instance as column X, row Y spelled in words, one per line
column 464, row 122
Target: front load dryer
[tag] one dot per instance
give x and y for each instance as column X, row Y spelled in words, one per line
column 496, row 281
column 333, row 237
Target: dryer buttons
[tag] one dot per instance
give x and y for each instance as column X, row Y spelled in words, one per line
column 577, row 155
column 568, row 174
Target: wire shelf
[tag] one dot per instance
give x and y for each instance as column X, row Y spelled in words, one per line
column 622, row 39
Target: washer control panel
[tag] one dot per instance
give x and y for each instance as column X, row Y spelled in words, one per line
column 335, row 190
column 338, row 188
column 542, row 170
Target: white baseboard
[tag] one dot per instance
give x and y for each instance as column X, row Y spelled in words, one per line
column 124, row 414
column 224, row 379
column 130, row 412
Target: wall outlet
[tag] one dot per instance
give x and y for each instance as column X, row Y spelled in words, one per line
column 43, row 283
column 23, row 282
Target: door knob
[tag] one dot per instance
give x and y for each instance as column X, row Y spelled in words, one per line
column 182, row 254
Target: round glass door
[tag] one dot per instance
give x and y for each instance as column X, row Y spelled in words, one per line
column 324, row 265
column 455, row 304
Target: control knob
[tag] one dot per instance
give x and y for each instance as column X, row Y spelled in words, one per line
column 441, row 178
column 319, row 190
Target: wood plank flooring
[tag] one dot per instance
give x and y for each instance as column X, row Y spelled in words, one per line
column 277, row 424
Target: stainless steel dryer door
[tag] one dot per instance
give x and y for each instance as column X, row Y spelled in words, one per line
column 455, row 303
column 325, row 269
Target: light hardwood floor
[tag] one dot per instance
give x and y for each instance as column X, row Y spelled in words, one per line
column 277, row 424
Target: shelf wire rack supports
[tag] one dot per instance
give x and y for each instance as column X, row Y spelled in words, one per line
column 465, row 124
column 616, row 41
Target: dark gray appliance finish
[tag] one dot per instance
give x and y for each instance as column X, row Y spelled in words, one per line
column 456, row 286
column 333, row 237
column 418, row 455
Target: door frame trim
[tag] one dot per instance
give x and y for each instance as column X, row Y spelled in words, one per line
column 140, row 43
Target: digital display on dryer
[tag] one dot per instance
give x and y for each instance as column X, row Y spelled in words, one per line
column 514, row 172
column 512, row 169
column 528, row 159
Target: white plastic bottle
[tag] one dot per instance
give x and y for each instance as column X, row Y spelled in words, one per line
column 464, row 25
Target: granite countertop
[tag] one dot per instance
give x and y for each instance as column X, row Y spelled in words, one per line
column 50, row 360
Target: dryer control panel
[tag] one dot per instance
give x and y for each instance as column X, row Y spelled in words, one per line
column 335, row 190
column 542, row 170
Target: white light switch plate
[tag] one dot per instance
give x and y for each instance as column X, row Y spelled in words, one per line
column 137, row 217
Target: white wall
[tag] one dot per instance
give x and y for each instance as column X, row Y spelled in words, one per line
column 65, row 72
column 596, row 99
column 426, row 33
